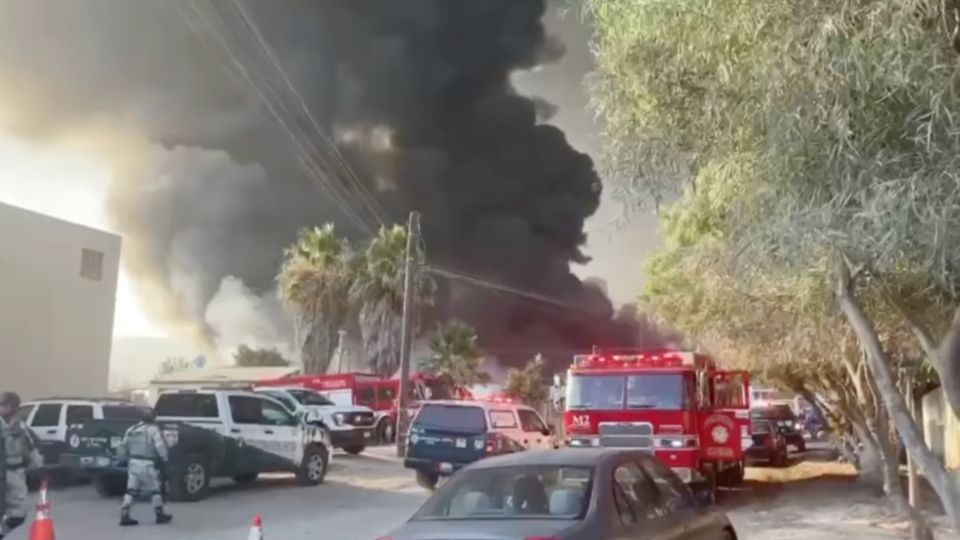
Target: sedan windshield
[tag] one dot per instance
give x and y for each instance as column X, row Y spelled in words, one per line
column 506, row 493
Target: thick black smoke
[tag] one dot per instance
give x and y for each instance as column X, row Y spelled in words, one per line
column 218, row 192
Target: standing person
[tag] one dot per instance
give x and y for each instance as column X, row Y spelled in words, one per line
column 20, row 454
column 145, row 450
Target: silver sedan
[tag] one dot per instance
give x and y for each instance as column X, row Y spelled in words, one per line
column 567, row 494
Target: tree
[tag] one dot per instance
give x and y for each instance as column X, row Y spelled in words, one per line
column 833, row 123
column 314, row 281
column 455, row 356
column 529, row 384
column 172, row 365
column 377, row 291
column 247, row 357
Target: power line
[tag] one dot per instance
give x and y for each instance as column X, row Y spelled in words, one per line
column 309, row 157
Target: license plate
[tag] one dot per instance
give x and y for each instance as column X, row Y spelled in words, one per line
column 461, row 443
column 86, row 461
column 446, row 467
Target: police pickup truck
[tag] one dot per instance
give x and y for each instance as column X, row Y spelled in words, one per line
column 351, row 427
column 210, row 434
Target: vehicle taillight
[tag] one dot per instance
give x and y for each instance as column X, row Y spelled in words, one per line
column 493, row 443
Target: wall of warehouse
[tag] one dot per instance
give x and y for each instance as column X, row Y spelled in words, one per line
column 58, row 284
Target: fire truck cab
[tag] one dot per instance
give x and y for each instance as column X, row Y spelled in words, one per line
column 676, row 404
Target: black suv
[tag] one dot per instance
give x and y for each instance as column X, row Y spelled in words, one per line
column 782, row 416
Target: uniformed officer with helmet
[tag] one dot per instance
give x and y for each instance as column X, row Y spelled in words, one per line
column 144, row 448
column 20, row 453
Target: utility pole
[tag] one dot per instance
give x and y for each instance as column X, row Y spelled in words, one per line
column 340, row 334
column 410, row 271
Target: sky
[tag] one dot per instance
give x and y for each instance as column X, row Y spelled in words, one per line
column 72, row 186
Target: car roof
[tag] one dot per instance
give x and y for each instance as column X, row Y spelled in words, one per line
column 571, row 457
column 90, row 401
column 476, row 403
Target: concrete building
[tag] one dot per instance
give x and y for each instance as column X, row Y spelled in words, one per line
column 58, row 286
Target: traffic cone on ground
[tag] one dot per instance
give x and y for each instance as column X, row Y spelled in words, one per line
column 42, row 528
column 256, row 531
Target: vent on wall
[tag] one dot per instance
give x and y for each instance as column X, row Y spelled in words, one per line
column 91, row 265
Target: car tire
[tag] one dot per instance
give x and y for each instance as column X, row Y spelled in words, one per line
column 313, row 467
column 427, row 480
column 728, row 534
column 354, row 449
column 782, row 460
column 802, row 445
column 190, row 481
column 247, row 478
column 109, row 486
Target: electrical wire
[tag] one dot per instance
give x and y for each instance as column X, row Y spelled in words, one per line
column 242, row 64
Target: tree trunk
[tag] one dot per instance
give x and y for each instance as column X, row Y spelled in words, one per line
column 947, row 364
column 893, row 400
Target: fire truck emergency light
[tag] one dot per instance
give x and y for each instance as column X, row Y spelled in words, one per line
column 629, row 360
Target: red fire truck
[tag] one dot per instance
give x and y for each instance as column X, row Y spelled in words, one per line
column 677, row 404
column 372, row 391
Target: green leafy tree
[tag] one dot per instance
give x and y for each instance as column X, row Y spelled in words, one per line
column 833, row 126
column 377, row 293
column 455, row 355
column 172, row 365
column 315, row 280
column 529, row 384
column 247, row 357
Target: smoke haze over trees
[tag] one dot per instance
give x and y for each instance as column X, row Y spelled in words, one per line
column 208, row 189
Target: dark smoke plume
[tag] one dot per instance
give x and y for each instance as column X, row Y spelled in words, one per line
column 215, row 190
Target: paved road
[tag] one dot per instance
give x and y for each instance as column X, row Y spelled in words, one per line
column 366, row 496
column 363, row 498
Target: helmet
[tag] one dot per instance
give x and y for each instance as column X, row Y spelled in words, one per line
column 10, row 398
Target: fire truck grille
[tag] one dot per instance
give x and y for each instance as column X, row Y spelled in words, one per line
column 361, row 419
column 626, row 435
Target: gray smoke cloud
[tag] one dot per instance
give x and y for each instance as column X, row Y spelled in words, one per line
column 215, row 191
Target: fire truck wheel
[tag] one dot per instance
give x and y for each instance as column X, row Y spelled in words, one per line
column 385, row 431
column 427, row 480
column 710, row 477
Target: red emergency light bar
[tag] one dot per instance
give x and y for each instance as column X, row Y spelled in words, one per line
column 662, row 360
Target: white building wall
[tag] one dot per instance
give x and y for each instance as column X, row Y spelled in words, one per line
column 58, row 285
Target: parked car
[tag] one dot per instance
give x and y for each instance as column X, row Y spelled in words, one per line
column 351, row 427
column 786, row 421
column 769, row 445
column 446, row 436
column 49, row 419
column 568, row 494
column 210, row 434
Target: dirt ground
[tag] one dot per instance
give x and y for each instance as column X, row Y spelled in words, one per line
column 814, row 500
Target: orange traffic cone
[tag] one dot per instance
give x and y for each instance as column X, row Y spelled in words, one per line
column 42, row 528
column 256, row 531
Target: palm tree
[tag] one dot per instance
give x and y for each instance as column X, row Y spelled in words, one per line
column 377, row 291
column 315, row 282
column 456, row 357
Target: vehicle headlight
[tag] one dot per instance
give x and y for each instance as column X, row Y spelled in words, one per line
column 339, row 418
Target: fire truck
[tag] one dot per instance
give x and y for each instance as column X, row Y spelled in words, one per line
column 676, row 404
column 373, row 391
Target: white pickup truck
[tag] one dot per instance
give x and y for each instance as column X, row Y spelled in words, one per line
column 211, row 434
column 352, row 427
